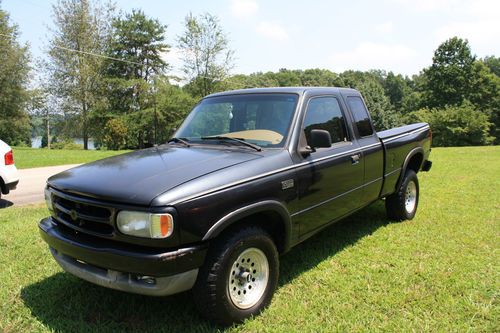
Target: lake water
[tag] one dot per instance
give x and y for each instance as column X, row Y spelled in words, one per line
column 36, row 142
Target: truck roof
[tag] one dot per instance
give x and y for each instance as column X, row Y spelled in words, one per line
column 285, row 90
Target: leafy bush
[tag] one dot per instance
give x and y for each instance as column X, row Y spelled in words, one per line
column 115, row 134
column 66, row 144
column 455, row 125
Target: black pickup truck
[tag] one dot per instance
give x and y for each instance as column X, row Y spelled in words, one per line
column 248, row 175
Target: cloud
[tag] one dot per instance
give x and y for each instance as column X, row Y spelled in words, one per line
column 244, row 8
column 478, row 21
column 273, row 30
column 384, row 28
column 427, row 5
column 368, row 55
column 478, row 8
column 479, row 33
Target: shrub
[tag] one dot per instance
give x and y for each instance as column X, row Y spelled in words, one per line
column 115, row 134
column 66, row 144
column 455, row 125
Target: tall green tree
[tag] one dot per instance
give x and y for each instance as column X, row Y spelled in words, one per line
column 80, row 37
column 449, row 78
column 493, row 64
column 14, row 70
column 40, row 110
column 208, row 57
column 397, row 88
column 139, row 42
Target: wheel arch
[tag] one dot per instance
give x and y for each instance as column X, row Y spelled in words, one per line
column 3, row 188
column 413, row 161
column 271, row 215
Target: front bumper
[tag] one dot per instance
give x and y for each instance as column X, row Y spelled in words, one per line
column 121, row 266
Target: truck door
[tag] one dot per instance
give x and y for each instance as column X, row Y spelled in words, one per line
column 330, row 179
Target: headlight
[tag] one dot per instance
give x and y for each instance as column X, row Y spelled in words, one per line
column 48, row 201
column 145, row 224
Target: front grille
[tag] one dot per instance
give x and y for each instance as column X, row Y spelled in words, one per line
column 83, row 216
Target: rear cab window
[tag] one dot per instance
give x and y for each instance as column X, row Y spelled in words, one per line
column 361, row 117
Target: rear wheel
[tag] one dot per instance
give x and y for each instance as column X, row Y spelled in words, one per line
column 402, row 205
column 239, row 276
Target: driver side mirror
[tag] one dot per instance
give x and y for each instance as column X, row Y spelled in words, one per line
column 320, row 139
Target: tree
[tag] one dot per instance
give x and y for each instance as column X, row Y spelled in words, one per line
column 140, row 42
column 485, row 95
column 38, row 107
column 173, row 105
column 493, row 64
column 81, row 36
column 207, row 56
column 397, row 89
column 449, row 78
column 14, row 70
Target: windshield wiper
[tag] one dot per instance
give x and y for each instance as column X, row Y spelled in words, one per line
column 227, row 138
column 180, row 140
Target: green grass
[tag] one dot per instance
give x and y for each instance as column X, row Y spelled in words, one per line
column 36, row 157
column 436, row 273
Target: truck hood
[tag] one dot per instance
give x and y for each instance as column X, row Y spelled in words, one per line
column 140, row 176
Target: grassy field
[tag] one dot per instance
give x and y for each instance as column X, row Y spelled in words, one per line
column 437, row 273
column 35, row 157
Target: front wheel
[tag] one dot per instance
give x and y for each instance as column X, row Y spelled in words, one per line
column 402, row 205
column 239, row 276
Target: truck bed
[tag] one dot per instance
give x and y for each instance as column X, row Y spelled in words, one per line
column 393, row 132
column 399, row 144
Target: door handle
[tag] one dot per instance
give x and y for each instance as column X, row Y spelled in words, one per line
column 355, row 158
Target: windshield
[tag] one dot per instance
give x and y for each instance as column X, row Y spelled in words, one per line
column 261, row 119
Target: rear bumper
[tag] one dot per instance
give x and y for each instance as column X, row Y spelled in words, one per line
column 6, row 188
column 123, row 267
column 9, row 178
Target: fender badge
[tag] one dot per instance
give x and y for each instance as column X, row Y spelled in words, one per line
column 286, row 184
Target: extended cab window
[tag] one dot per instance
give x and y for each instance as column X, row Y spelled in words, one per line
column 324, row 113
column 361, row 117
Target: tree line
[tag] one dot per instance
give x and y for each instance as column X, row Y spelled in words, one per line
column 105, row 77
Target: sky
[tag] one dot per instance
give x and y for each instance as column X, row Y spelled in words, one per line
column 393, row 35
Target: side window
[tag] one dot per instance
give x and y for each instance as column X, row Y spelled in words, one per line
column 324, row 113
column 361, row 117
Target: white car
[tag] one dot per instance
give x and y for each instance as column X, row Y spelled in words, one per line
column 9, row 177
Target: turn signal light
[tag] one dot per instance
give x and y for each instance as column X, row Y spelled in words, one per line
column 161, row 225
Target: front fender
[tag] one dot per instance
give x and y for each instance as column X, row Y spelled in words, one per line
column 258, row 207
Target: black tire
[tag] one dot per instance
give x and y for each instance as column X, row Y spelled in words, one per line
column 211, row 290
column 396, row 204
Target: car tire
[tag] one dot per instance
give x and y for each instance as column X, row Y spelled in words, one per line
column 239, row 276
column 402, row 205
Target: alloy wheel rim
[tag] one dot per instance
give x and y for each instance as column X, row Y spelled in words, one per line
column 410, row 197
column 248, row 278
